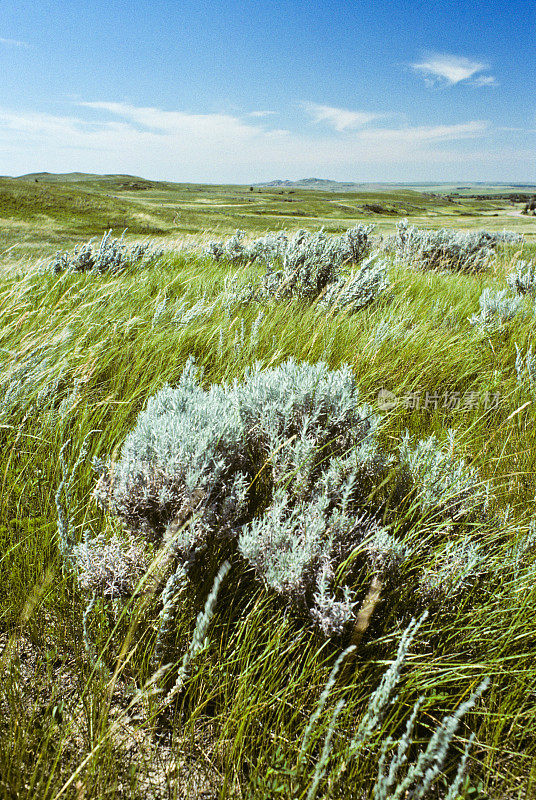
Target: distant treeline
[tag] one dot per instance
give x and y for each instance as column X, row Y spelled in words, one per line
column 515, row 198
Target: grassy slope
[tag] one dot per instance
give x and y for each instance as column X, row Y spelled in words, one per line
column 248, row 701
column 38, row 218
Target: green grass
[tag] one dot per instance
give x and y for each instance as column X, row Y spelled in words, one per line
column 42, row 213
column 69, row 729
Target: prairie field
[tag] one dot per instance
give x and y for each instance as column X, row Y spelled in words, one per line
column 199, row 680
column 42, row 213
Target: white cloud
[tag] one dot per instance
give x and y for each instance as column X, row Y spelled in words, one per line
column 207, row 126
column 511, row 129
column 427, row 133
column 221, row 148
column 261, row 113
column 485, row 80
column 341, row 119
column 450, row 69
column 13, row 42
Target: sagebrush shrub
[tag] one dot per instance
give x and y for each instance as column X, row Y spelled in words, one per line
column 456, row 568
column 308, row 266
column 236, row 251
column 523, row 280
column 359, row 289
column 111, row 255
column 446, row 249
column 111, row 568
column 496, row 309
column 232, row 250
column 439, row 480
column 312, row 261
column 280, row 467
column 351, row 246
column 525, row 367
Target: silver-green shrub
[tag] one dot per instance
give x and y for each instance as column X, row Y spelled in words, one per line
column 310, row 262
column 111, row 255
column 191, row 471
column 359, row 289
column 233, row 250
column 213, row 442
column 439, row 480
column 308, row 266
column 525, row 367
column 281, row 467
column 295, row 251
column 523, row 280
column 238, row 252
column 453, row 570
column 111, row 568
column 385, row 552
column 446, row 249
column 496, row 309
column 296, row 547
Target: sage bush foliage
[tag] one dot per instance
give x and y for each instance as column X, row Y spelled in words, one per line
column 110, row 568
column 525, row 367
column 496, row 309
column 440, row 479
column 446, row 249
column 309, row 266
column 359, row 289
column 110, row 255
column 339, row 528
column 499, row 307
column 523, row 279
column 284, row 467
column 303, row 246
column 236, row 251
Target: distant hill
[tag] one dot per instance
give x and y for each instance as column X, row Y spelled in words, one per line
column 130, row 183
column 468, row 189
column 133, row 183
column 72, row 202
column 320, row 184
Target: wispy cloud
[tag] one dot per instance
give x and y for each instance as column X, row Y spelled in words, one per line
column 427, row 133
column 485, row 80
column 341, row 119
column 119, row 137
column 13, row 42
column 451, row 69
column 207, row 126
column 261, row 113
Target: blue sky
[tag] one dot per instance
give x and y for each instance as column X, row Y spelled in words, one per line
column 239, row 92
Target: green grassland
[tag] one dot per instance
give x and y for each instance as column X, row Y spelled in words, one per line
column 41, row 213
column 99, row 348
column 466, row 189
